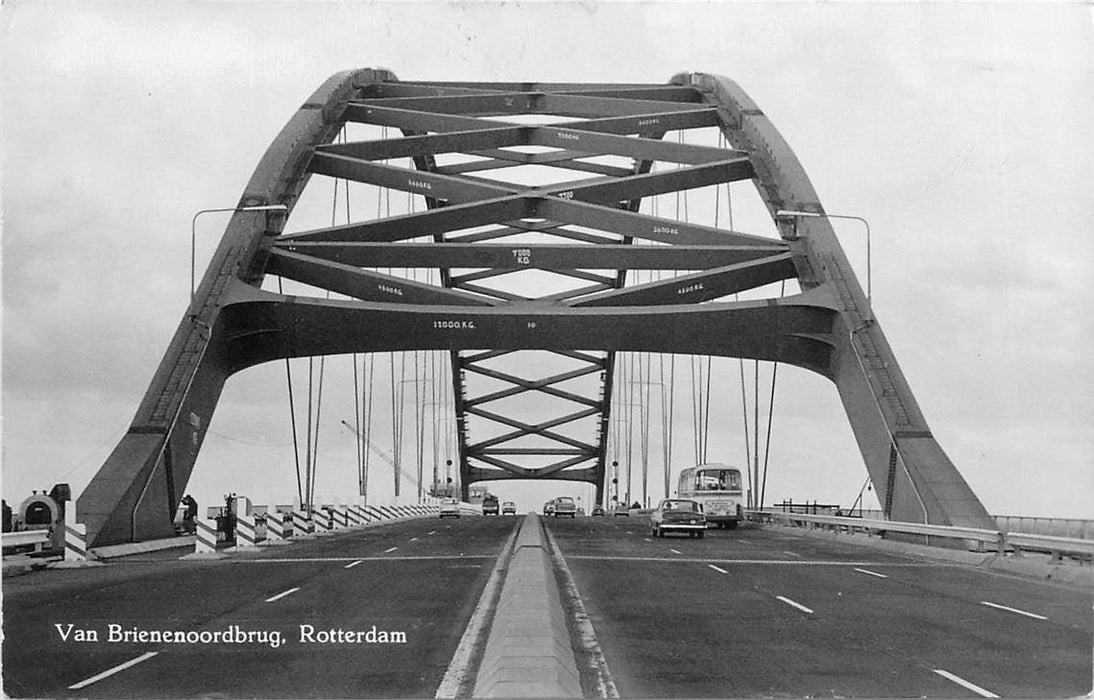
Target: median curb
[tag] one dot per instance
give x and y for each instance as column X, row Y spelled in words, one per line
column 528, row 652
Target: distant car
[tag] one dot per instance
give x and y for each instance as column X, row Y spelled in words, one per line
column 678, row 515
column 490, row 505
column 621, row 509
column 598, row 510
column 549, row 508
column 565, row 506
column 450, row 507
column 508, row 508
column 581, row 512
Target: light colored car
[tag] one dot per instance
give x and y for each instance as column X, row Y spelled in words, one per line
column 450, row 507
column 678, row 515
column 508, row 508
column 565, row 506
column 549, row 508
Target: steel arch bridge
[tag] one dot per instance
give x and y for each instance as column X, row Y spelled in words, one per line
column 611, row 135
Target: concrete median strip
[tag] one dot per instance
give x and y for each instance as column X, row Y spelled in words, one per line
column 528, row 652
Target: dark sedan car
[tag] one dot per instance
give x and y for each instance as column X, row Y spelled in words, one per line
column 678, row 515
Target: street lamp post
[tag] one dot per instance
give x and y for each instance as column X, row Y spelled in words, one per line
column 194, row 223
column 787, row 213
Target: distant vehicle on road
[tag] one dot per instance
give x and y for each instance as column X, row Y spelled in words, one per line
column 490, row 504
column 565, row 506
column 678, row 515
column 621, row 509
column 450, row 507
column 717, row 487
column 598, row 510
column 508, row 508
column 549, row 508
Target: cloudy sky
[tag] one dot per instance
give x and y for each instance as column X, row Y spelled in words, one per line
column 960, row 131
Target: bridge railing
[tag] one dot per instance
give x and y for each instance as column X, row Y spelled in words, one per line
column 37, row 539
column 978, row 539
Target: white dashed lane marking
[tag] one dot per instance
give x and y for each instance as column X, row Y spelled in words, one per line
column 1016, row 611
column 793, row 604
column 965, row 684
column 718, row 569
column 283, row 594
column 392, row 549
column 352, row 564
column 870, row 573
column 111, row 672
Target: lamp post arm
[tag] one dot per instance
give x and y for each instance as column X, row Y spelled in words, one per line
column 194, row 230
column 790, row 213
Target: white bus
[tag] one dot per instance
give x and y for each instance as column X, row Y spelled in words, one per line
column 718, row 488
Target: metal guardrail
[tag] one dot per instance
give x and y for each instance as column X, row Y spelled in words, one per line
column 997, row 540
column 24, row 538
column 1058, row 547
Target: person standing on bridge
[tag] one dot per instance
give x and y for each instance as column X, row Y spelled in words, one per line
column 189, row 514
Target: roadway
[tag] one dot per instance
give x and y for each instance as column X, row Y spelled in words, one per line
column 768, row 613
column 420, row 578
column 741, row 613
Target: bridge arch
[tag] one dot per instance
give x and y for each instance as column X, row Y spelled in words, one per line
column 232, row 323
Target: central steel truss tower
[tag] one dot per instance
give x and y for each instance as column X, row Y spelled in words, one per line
column 474, row 229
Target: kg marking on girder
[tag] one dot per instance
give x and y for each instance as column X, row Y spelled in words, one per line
column 523, row 256
column 671, row 230
column 455, row 325
column 389, row 289
column 690, row 288
column 422, row 184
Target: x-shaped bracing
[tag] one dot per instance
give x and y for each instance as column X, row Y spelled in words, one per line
column 594, row 220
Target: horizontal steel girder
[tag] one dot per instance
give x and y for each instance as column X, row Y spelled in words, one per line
column 261, row 326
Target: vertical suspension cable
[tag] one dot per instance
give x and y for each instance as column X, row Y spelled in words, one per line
column 307, row 437
column 756, row 431
column 706, row 414
column 292, row 415
column 318, row 415
column 644, row 389
column 744, row 415
column 770, row 414
column 666, row 422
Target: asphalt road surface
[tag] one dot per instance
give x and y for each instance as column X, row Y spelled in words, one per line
column 379, row 613
column 755, row 613
column 372, row 613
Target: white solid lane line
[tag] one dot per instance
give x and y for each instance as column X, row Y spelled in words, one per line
column 111, row 672
column 965, row 684
column 870, row 573
column 792, row 604
column 1035, row 616
column 283, row 594
column 392, row 549
column 718, row 569
column 353, row 564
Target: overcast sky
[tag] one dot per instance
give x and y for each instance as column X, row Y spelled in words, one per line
column 960, row 131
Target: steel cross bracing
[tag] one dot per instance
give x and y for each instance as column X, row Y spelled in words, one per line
column 590, row 224
column 485, row 231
